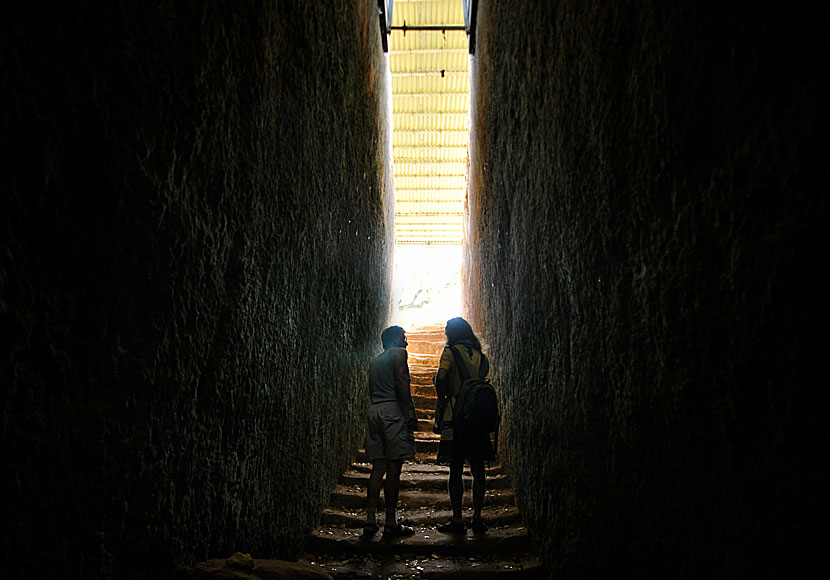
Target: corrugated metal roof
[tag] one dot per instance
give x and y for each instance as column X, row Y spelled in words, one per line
column 430, row 116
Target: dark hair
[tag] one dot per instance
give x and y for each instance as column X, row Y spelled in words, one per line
column 459, row 330
column 390, row 335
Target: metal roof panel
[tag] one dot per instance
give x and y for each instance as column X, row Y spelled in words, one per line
column 430, row 105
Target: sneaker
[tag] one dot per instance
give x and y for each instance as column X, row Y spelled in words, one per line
column 452, row 527
column 479, row 526
column 370, row 529
column 397, row 531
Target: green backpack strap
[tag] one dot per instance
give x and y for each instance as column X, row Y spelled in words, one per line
column 459, row 362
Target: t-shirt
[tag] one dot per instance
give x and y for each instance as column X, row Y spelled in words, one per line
column 382, row 377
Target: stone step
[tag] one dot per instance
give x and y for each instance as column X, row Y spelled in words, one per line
column 431, row 467
column 427, row 414
column 425, row 350
column 495, row 516
column 426, row 445
column 424, row 355
column 429, row 337
column 505, row 541
column 423, row 377
column 424, row 481
column 432, row 567
column 420, row 459
column 324, row 566
column 430, row 330
column 426, row 450
column 423, row 359
column 424, row 401
column 219, row 569
column 355, row 497
column 427, row 344
column 432, row 326
column 427, row 437
column 426, row 390
column 423, row 390
column 423, row 371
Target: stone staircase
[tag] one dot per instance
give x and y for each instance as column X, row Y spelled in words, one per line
column 504, row 551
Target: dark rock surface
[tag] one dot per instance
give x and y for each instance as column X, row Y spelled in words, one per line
column 649, row 231
column 262, row 570
column 193, row 276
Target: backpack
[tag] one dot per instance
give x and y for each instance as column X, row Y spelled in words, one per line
column 476, row 409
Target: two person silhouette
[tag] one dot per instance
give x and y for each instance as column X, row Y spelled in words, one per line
column 391, row 423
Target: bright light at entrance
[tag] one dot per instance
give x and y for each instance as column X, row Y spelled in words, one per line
column 430, row 75
column 427, row 284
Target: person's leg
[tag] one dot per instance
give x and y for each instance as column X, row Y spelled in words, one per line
column 375, row 482
column 391, row 488
column 373, row 495
column 479, row 487
column 391, row 527
column 456, row 487
column 400, row 446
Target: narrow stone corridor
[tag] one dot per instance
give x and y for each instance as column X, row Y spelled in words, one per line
column 338, row 546
column 197, row 221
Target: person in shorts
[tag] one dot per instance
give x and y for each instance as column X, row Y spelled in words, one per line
column 454, row 449
column 390, row 430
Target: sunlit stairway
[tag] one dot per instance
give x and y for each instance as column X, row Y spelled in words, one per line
column 504, row 551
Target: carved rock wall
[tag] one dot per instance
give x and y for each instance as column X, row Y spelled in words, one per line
column 647, row 235
column 194, row 276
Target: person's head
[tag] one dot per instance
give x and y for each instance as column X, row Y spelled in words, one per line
column 393, row 336
column 459, row 330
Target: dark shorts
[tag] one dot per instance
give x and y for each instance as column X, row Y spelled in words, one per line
column 387, row 435
column 479, row 450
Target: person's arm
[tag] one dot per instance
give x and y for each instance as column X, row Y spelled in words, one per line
column 402, row 392
column 442, row 377
column 484, row 368
column 442, row 383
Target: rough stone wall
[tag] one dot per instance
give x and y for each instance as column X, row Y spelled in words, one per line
column 647, row 242
column 193, row 276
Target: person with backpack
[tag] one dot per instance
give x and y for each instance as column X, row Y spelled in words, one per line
column 467, row 413
column 390, row 430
